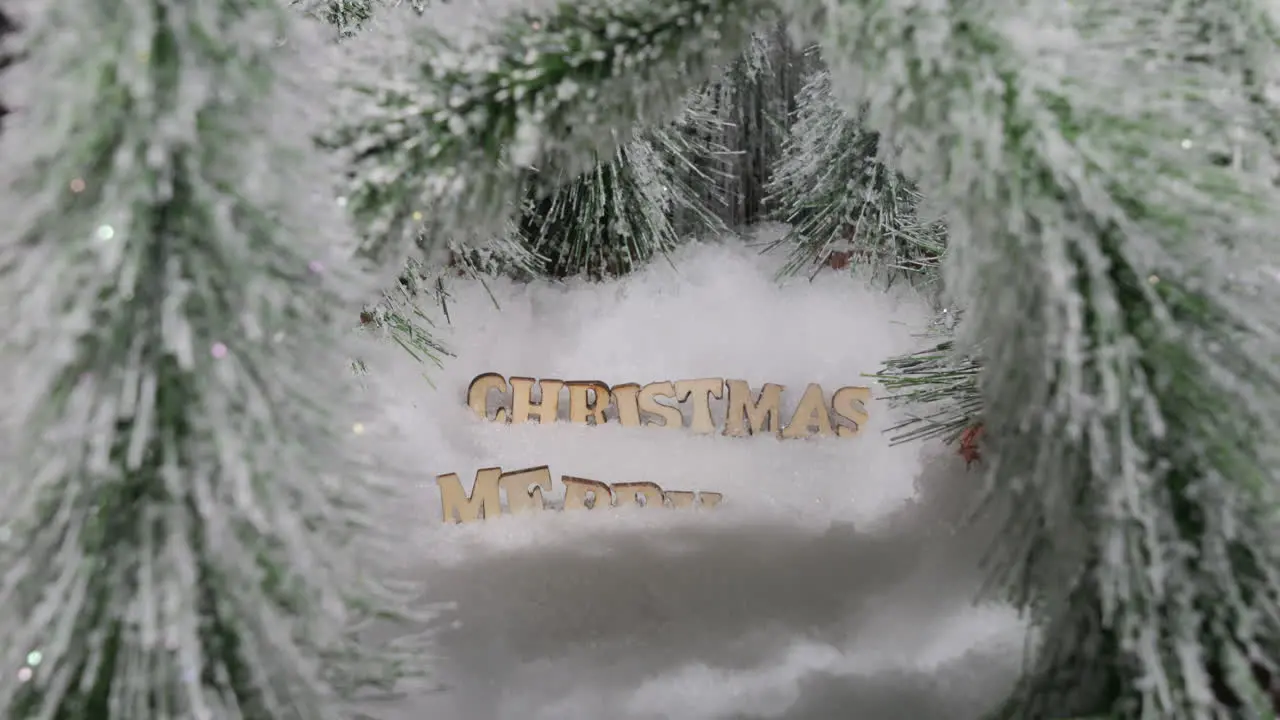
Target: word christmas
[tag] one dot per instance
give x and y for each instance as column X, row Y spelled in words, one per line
column 592, row 402
column 524, row 491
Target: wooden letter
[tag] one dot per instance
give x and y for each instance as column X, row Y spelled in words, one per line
column 478, row 395
column 811, row 412
column 522, row 405
column 588, row 399
column 760, row 414
column 670, row 416
column 625, row 397
column 644, row 494
column 709, row 499
column 577, row 491
column 483, row 502
column 702, row 391
column 524, row 488
column 849, row 403
column 680, row 498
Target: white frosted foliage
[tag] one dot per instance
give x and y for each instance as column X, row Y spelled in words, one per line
column 186, row 511
column 1104, row 239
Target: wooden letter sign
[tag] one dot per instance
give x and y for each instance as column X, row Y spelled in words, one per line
column 525, row 492
column 658, row 405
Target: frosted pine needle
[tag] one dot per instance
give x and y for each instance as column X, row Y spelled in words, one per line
column 189, row 528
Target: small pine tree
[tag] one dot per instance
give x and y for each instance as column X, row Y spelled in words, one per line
column 937, row 389
column 419, row 114
column 838, row 197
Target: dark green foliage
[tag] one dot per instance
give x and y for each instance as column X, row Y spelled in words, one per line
column 621, row 214
column 438, row 168
column 938, row 389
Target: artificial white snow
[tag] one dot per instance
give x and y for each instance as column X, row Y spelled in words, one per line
column 829, row 583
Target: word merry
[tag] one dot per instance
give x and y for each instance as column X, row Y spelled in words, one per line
column 524, row 490
column 592, row 402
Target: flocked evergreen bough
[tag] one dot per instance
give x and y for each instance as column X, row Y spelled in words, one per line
column 190, row 525
column 631, row 207
column 597, row 219
column 1108, row 263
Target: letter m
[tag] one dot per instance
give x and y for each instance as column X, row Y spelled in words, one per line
column 761, row 415
column 483, row 502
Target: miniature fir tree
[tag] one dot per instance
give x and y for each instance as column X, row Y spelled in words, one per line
column 937, row 389
column 189, row 526
column 1122, row 340
column 1113, row 271
column 836, row 195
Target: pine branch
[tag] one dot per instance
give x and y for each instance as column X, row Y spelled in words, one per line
column 1107, row 261
column 940, row 388
column 443, row 135
column 189, row 527
column 502, row 254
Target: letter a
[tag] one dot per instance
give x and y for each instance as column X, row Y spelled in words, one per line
column 812, row 412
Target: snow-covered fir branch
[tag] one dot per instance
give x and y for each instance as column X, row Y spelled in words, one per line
column 192, row 516
column 937, row 387
column 440, row 130
column 635, row 205
column 1122, row 338
column 346, row 16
